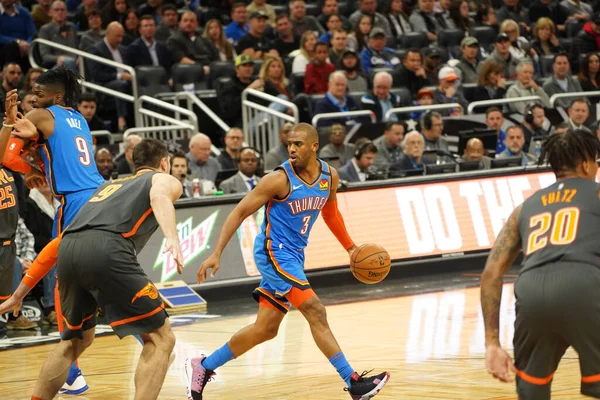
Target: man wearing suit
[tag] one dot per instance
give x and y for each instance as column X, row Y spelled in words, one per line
column 189, row 47
column 110, row 77
column 146, row 50
column 355, row 170
column 245, row 180
column 336, row 100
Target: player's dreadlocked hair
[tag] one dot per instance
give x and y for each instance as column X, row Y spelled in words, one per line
column 564, row 152
column 66, row 79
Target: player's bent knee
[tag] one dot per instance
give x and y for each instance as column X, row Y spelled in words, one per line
column 314, row 311
column 162, row 337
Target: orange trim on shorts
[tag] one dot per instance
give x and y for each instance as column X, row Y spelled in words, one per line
column 262, row 302
column 590, row 378
column 4, row 297
column 533, row 380
column 270, row 296
column 76, row 327
column 137, row 224
column 133, row 319
column 298, row 296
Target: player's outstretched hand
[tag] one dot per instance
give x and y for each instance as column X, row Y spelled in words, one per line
column 499, row 363
column 12, row 101
column 211, row 262
column 35, row 179
column 25, row 129
column 172, row 246
column 13, row 303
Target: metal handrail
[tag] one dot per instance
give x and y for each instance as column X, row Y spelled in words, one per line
column 103, row 133
column 271, row 99
column 190, row 114
column 268, row 110
column 556, row 96
column 399, row 110
column 357, row 113
column 193, row 99
column 496, row 102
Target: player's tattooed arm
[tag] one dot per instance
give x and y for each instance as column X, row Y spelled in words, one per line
column 501, row 258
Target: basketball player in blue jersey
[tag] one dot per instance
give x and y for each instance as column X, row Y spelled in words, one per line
column 64, row 144
column 294, row 194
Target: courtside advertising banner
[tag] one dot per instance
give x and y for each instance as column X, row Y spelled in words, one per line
column 441, row 219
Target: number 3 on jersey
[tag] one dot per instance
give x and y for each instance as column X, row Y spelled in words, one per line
column 564, row 224
column 305, row 224
column 84, row 151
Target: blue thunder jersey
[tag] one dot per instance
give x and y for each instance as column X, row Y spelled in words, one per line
column 288, row 221
column 67, row 154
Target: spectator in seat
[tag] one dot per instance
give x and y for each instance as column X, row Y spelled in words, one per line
column 424, row 98
column 357, row 167
column 564, row 127
column 318, row 71
column 389, row 148
column 423, row 19
column 491, row 83
column 474, row 151
column 179, row 169
column 432, row 63
column 285, row 42
column 11, row 79
column 441, row 8
column 279, row 154
column 432, row 126
column 502, row 55
column 301, row 21
column 27, row 102
column 577, row 10
column 561, row 81
column 85, row 8
column 228, row 159
column 213, row 32
column 447, row 92
column 273, row 71
column 238, row 26
column 411, row 73
column 305, row 54
column 153, row 8
column 59, row 31
column 254, row 43
column 459, row 16
column 114, row 11
column 202, row 165
column 515, row 140
column 29, row 80
column 468, row 64
column 486, row 16
column 588, row 39
column 16, row 32
column 188, row 47
column 110, row 77
column 87, row 106
column 589, row 76
column 246, row 179
column 24, row 242
column 579, row 112
column 169, row 23
column 494, row 119
column 229, row 93
column 369, row 7
column 357, row 39
column 94, row 34
column 132, row 26
column 331, row 7
column 336, row 100
column 512, row 9
column 334, row 23
column 146, row 50
column 545, row 42
column 376, row 54
column 41, row 13
column 525, row 86
column 413, row 146
column 38, row 212
column 519, row 46
column 104, row 163
column 336, row 148
column 125, row 164
column 533, row 122
column 350, row 65
column 398, row 19
column 262, row 6
column 380, row 100
column 549, row 9
column 339, row 44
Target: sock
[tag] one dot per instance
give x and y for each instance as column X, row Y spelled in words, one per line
column 342, row 367
column 218, row 358
column 36, row 398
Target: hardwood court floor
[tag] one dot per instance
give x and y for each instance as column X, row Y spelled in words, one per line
column 432, row 344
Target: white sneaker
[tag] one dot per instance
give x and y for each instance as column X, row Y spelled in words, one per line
column 75, row 384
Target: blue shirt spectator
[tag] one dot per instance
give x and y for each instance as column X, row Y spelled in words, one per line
column 376, row 54
column 238, row 26
column 16, row 23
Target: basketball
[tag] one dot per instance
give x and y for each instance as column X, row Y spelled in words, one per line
column 370, row 263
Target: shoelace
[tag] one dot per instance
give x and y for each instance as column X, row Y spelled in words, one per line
column 360, row 378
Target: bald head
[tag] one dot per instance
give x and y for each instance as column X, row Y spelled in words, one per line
column 114, row 34
column 129, row 144
column 200, row 146
column 474, row 150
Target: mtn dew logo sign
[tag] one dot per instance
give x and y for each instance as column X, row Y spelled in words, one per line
column 193, row 241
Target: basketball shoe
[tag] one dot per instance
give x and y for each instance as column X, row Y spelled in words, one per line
column 197, row 376
column 75, row 383
column 365, row 388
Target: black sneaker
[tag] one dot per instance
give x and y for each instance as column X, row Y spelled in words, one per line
column 365, row 388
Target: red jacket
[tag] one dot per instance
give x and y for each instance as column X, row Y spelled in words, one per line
column 316, row 77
